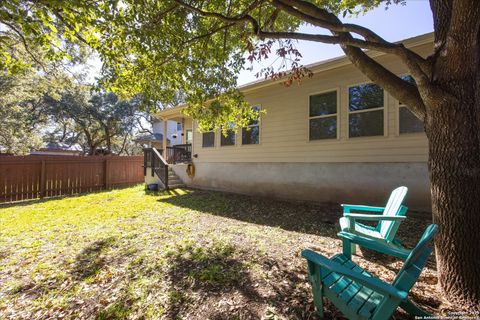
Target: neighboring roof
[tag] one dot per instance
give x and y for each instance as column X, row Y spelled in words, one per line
column 53, row 152
column 58, row 146
column 150, row 138
column 314, row 67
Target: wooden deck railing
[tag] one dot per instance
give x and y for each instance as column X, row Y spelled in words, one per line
column 31, row 177
column 179, row 153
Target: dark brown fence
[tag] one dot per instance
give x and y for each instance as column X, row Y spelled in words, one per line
column 31, row 177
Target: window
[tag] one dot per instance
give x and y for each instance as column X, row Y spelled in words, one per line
column 228, row 140
column 251, row 133
column 365, row 106
column 408, row 122
column 179, row 126
column 208, row 139
column 189, row 135
column 323, row 116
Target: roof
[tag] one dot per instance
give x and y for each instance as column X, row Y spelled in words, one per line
column 314, row 67
column 339, row 61
column 58, row 146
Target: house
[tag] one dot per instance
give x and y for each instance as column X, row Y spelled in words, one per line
column 57, row 149
column 155, row 140
column 336, row 137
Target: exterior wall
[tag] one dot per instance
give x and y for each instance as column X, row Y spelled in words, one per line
column 284, row 128
column 361, row 183
column 287, row 165
column 171, row 130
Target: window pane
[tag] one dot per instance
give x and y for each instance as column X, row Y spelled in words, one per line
column 409, row 123
column 365, row 96
column 323, row 128
column 208, row 139
column 189, row 136
column 366, row 124
column 254, row 122
column 229, row 140
column 323, row 104
column 251, row 135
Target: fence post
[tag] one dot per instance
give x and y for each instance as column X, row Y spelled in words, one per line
column 107, row 173
column 42, row 181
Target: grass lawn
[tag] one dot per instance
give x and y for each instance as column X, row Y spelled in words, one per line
column 124, row 254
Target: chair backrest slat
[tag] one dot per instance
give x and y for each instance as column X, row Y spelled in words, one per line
column 393, row 208
column 417, row 259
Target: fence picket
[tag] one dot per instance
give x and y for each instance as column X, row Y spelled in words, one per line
column 31, row 177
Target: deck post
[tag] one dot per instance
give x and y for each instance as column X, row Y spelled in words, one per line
column 164, row 142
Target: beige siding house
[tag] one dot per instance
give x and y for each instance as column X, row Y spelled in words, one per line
column 336, row 137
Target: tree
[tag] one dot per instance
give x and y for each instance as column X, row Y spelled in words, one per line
column 160, row 48
column 21, row 109
column 95, row 121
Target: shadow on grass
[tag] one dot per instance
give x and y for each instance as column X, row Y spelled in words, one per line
column 311, row 218
column 218, row 282
column 90, row 261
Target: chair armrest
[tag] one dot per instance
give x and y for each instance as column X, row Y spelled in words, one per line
column 390, row 249
column 373, row 217
column 369, row 282
column 348, row 207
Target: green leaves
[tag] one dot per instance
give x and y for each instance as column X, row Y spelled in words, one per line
column 168, row 51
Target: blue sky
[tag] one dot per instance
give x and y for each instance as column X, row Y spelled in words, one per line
column 397, row 23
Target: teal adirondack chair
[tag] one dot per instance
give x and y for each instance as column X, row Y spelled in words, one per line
column 357, row 293
column 382, row 236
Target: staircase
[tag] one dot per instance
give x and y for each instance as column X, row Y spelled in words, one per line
column 173, row 180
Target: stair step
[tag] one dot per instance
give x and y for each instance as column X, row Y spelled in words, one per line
column 173, row 186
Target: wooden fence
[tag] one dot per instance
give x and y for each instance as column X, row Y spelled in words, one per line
column 31, row 177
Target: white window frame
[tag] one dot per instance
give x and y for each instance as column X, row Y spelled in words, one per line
column 259, row 121
column 337, row 114
column 186, row 136
column 384, row 108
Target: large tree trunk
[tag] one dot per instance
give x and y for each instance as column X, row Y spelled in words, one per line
column 453, row 130
column 454, row 165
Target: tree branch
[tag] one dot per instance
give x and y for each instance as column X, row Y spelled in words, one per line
column 400, row 89
column 25, row 44
column 245, row 17
column 308, row 12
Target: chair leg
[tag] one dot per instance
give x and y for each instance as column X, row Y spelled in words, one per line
column 315, row 278
column 353, row 249
column 347, row 248
column 413, row 309
column 318, row 300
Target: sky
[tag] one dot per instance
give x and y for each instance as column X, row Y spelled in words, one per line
column 397, row 23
